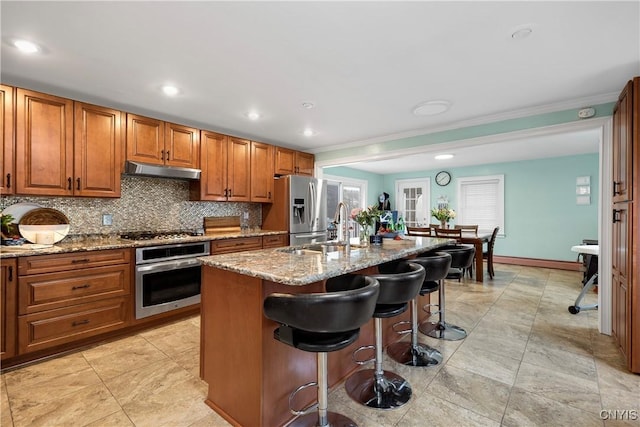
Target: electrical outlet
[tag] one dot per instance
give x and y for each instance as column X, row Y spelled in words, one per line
column 107, row 219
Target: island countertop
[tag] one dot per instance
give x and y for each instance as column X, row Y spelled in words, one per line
column 296, row 268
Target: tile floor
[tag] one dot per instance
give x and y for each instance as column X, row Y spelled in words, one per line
column 525, row 362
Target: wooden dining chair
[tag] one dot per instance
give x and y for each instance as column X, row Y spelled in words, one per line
column 419, row 231
column 468, row 228
column 451, row 233
column 488, row 255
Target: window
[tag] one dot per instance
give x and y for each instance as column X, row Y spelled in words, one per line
column 481, row 201
column 351, row 191
column 413, row 200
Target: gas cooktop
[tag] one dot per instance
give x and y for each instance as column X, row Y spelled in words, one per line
column 158, row 235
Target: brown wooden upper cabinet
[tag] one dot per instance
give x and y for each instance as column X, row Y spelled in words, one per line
column 66, row 148
column 291, row 162
column 226, row 169
column 7, row 174
column 623, row 145
column 161, row 143
column 261, row 172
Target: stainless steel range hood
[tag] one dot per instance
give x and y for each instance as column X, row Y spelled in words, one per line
column 145, row 169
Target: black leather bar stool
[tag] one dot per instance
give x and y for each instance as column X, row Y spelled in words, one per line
column 321, row 323
column 377, row 388
column 436, row 266
column 461, row 258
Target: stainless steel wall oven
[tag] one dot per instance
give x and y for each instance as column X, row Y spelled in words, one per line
column 168, row 277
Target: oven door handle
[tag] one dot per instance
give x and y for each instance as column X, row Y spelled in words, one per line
column 168, row 265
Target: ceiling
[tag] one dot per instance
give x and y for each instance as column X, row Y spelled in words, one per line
column 363, row 65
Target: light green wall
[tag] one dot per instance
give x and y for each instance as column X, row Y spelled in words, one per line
column 542, row 219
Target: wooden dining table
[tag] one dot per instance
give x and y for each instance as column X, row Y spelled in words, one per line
column 477, row 240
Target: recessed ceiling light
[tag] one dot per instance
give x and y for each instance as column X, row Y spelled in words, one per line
column 431, row 108
column 443, row 156
column 521, row 33
column 253, row 115
column 26, row 46
column 308, row 132
column 170, row 90
column 307, row 105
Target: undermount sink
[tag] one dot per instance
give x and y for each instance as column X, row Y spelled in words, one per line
column 324, row 248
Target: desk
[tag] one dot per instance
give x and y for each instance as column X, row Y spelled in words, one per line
column 594, row 251
column 483, row 236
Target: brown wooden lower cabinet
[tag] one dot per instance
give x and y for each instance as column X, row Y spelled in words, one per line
column 8, row 307
column 51, row 328
column 250, row 374
column 275, row 241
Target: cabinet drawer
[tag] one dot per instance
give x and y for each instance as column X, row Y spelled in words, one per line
column 54, row 327
column 235, row 245
column 55, row 290
column 274, row 241
column 71, row 261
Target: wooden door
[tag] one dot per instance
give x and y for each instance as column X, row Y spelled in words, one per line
column 145, row 140
column 97, row 151
column 623, row 145
column 44, row 144
column 8, row 304
column 239, row 170
column 304, row 163
column 7, row 175
column 620, row 264
column 213, row 163
column 182, row 146
column 261, row 172
column 284, row 161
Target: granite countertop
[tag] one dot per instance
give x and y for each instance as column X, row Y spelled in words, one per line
column 97, row 243
column 292, row 266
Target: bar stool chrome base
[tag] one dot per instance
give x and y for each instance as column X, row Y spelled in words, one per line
column 386, row 391
column 420, row 355
column 334, row 419
column 443, row 331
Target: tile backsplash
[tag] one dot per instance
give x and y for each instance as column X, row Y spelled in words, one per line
column 145, row 204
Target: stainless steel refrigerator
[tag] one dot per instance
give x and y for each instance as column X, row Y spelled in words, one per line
column 299, row 207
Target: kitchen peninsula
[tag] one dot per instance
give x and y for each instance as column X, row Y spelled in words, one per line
column 250, row 374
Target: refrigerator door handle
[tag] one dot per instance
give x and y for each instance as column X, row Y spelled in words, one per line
column 312, row 204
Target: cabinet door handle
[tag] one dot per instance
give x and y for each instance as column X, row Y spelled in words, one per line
column 80, row 322
column 614, row 187
column 269, row 195
column 168, row 157
column 85, row 286
column 69, row 183
column 615, row 216
column 225, row 192
column 8, row 180
column 162, row 155
column 10, row 278
column 229, row 192
column 78, row 261
column 78, row 181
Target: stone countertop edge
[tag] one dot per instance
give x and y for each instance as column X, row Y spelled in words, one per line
column 278, row 265
column 113, row 242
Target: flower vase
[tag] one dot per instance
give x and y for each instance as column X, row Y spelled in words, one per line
column 364, row 235
column 443, row 224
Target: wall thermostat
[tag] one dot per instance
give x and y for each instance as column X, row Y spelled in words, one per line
column 585, row 113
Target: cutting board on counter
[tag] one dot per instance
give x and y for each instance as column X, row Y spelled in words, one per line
column 221, row 224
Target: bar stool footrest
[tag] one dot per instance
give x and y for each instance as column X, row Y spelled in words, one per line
column 359, row 349
column 313, row 407
column 401, row 331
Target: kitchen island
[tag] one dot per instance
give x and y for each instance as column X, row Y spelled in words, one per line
column 250, row 374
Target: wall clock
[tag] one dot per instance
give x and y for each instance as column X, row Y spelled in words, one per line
column 443, row 178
